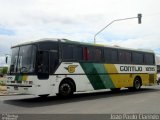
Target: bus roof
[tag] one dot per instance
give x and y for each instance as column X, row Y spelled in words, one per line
column 35, row 41
column 81, row 43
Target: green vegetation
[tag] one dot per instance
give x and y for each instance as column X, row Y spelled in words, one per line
column 3, row 70
column 2, row 83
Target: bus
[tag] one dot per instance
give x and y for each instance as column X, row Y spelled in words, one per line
column 158, row 68
column 48, row 67
column 158, row 74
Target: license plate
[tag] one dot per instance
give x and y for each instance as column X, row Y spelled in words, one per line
column 15, row 87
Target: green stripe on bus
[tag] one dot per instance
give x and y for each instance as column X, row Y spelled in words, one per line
column 18, row 78
column 104, row 76
column 93, row 75
column 97, row 76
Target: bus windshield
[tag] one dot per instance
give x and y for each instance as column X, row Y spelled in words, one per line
column 23, row 59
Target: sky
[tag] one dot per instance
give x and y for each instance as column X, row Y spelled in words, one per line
column 80, row 20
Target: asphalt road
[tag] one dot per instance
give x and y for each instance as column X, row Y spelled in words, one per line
column 147, row 100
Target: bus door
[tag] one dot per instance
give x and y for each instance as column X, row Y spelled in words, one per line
column 53, row 65
column 43, row 72
column 53, row 61
column 43, row 65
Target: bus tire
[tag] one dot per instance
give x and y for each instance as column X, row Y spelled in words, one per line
column 66, row 89
column 137, row 83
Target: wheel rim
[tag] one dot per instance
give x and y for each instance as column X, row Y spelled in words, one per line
column 137, row 84
column 65, row 89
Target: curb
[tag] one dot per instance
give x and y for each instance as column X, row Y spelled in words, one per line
column 3, row 88
column 5, row 93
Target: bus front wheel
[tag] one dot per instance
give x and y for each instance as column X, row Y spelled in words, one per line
column 66, row 89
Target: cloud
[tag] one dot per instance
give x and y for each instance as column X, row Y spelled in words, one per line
column 79, row 20
column 2, row 61
column 147, row 42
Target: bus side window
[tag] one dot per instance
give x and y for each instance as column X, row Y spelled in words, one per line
column 124, row 57
column 149, row 59
column 107, row 55
column 98, row 55
column 85, row 53
column 43, row 65
column 110, row 55
column 54, row 61
column 67, row 52
column 78, row 53
column 114, row 56
column 137, row 58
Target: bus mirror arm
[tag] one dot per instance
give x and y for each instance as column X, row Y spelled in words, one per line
column 6, row 59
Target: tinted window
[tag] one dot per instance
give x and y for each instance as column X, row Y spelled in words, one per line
column 149, row 59
column 98, row 54
column 91, row 54
column 78, row 53
column 54, row 61
column 43, row 65
column 67, row 52
column 124, row 57
column 43, row 62
column 107, row 55
column 137, row 58
column 110, row 55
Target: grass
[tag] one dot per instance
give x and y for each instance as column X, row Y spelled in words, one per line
column 2, row 81
column 2, row 85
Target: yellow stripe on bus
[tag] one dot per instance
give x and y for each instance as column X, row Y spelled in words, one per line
column 24, row 78
column 124, row 80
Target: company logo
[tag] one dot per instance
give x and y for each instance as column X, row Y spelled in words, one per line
column 71, row 68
